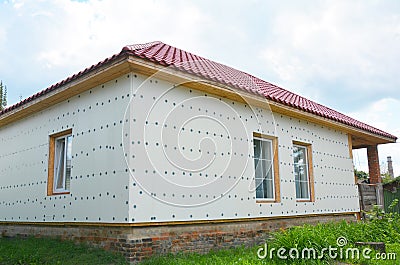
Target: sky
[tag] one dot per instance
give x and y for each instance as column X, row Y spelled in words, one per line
column 343, row 54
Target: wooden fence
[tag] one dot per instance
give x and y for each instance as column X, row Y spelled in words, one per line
column 370, row 195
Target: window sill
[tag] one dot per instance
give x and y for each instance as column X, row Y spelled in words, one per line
column 59, row 193
column 266, row 201
column 304, row 200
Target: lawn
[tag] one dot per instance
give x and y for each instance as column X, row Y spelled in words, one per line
column 247, row 256
column 38, row 251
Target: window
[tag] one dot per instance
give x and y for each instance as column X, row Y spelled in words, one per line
column 60, row 157
column 303, row 171
column 265, row 166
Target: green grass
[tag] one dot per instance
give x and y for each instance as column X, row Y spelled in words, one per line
column 35, row 251
column 241, row 255
column 247, row 256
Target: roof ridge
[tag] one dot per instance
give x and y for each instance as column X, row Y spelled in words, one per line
column 140, row 46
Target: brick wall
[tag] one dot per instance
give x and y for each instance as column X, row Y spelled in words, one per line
column 137, row 243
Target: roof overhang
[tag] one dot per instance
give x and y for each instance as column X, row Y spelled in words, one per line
column 125, row 64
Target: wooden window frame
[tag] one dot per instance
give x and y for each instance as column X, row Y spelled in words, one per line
column 50, row 176
column 310, row 171
column 277, row 194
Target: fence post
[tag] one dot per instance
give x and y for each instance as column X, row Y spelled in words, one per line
column 379, row 195
column 361, row 200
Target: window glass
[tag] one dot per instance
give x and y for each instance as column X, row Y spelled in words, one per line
column 301, row 174
column 62, row 163
column 263, row 163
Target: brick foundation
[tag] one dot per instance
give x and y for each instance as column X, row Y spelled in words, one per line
column 137, row 243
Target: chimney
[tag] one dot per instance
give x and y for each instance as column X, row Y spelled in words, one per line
column 390, row 166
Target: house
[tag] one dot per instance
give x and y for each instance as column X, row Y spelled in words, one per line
column 157, row 150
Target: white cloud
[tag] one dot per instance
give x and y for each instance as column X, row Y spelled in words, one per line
column 305, row 47
column 331, row 46
column 18, row 4
column 382, row 114
column 98, row 29
column 62, row 37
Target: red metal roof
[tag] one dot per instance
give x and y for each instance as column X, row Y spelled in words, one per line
column 170, row 56
column 167, row 55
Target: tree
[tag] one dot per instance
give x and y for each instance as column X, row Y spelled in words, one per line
column 361, row 175
column 386, row 178
column 3, row 96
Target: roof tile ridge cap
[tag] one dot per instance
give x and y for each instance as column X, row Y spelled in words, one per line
column 194, row 57
column 191, row 57
column 215, row 65
column 173, row 60
column 155, row 54
column 166, row 54
column 140, row 46
column 289, row 92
